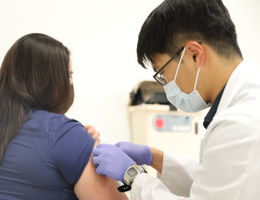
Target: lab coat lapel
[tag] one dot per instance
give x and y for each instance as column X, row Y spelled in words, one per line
column 237, row 79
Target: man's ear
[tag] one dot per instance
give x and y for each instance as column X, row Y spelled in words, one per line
column 196, row 50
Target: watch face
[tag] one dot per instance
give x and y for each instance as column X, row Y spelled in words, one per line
column 132, row 172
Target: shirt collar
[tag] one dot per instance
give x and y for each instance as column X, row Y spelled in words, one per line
column 210, row 115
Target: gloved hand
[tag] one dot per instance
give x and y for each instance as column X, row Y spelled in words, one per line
column 111, row 161
column 141, row 154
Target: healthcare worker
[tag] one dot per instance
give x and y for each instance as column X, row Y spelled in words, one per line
column 192, row 46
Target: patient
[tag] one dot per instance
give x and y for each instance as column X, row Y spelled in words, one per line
column 43, row 154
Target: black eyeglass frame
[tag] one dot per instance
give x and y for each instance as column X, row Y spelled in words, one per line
column 160, row 80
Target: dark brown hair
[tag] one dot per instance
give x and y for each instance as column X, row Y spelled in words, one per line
column 174, row 22
column 34, row 75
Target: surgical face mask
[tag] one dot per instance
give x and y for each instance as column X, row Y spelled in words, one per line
column 192, row 102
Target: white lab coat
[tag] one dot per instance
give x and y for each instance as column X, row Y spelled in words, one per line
column 229, row 167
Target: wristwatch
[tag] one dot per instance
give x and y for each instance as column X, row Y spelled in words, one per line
column 129, row 177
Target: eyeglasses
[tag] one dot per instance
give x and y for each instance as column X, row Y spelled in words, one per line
column 158, row 76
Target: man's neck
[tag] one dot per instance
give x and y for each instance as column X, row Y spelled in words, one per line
column 223, row 69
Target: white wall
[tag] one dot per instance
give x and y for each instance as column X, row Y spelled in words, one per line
column 246, row 16
column 102, row 36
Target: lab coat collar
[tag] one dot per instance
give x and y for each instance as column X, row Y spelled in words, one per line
column 237, row 79
column 210, row 115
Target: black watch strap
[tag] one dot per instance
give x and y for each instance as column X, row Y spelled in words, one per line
column 124, row 188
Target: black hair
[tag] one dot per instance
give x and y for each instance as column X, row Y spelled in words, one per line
column 174, row 22
column 34, row 75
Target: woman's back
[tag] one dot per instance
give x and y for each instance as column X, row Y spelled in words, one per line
column 44, row 155
column 45, row 159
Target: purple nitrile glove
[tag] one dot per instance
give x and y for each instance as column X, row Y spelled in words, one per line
column 141, row 154
column 111, row 161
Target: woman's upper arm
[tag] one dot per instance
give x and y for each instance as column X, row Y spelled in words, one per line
column 92, row 186
column 71, row 148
